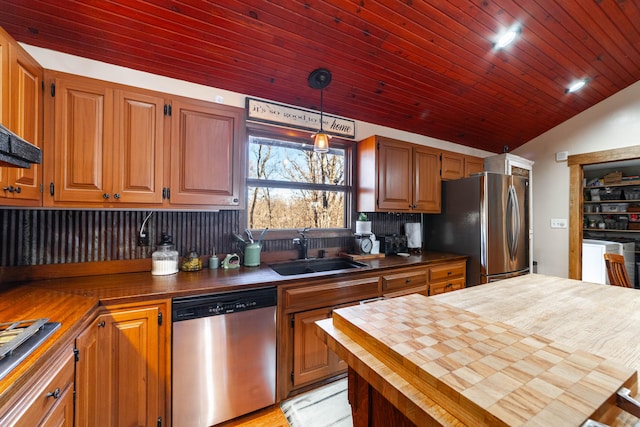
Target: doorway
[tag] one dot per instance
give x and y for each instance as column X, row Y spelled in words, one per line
column 576, row 165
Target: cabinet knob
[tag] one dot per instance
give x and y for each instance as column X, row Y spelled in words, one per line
column 407, row 281
column 10, row 189
column 101, row 324
column 18, row 190
column 105, row 196
column 449, row 285
column 116, row 196
column 55, row 393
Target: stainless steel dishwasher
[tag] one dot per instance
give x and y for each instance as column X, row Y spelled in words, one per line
column 224, row 356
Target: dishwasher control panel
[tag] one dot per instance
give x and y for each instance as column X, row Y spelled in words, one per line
column 195, row 307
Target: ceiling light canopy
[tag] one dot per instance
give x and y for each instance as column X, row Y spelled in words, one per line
column 319, row 79
column 576, row 86
column 507, row 37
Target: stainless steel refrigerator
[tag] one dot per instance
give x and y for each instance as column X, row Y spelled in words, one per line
column 486, row 217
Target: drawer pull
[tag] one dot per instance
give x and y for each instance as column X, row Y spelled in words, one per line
column 449, row 285
column 407, row 281
column 449, row 273
column 55, row 393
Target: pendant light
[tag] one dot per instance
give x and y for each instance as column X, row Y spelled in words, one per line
column 319, row 79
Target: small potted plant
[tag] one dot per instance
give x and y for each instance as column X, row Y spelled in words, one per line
column 363, row 225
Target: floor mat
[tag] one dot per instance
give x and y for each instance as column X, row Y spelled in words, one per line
column 327, row 406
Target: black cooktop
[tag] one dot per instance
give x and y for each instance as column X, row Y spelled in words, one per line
column 18, row 354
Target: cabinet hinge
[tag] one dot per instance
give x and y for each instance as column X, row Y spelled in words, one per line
column 42, row 84
column 291, row 377
column 160, row 318
column 41, row 187
column 167, row 109
column 53, row 90
column 378, row 202
column 52, row 189
column 378, row 146
column 159, row 421
column 76, row 354
column 293, row 322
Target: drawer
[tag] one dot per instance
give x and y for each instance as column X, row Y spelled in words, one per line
column 330, row 294
column 404, row 280
column 37, row 402
column 446, row 286
column 447, row 271
column 417, row 290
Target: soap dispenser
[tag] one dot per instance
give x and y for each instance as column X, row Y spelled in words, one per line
column 164, row 260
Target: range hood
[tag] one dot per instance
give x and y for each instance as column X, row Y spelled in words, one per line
column 16, row 152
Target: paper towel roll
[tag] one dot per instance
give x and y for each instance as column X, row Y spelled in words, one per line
column 414, row 235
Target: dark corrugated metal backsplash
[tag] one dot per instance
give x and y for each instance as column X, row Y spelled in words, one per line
column 37, row 237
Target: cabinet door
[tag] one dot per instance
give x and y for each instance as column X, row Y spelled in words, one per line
column 207, row 160
column 138, row 148
column 452, row 165
column 125, row 365
column 87, row 377
column 395, row 180
column 312, row 359
column 83, row 122
column 427, row 183
column 473, row 165
column 4, row 99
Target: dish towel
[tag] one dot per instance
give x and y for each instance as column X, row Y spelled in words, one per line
column 414, row 235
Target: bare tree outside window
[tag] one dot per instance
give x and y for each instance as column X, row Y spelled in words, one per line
column 291, row 186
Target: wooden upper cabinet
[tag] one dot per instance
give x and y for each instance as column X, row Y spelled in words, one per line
column 427, row 193
column 207, row 159
column 21, row 111
column 108, row 145
column 138, row 157
column 396, row 176
column 473, row 165
column 80, row 171
column 115, row 145
column 457, row 165
column 452, row 165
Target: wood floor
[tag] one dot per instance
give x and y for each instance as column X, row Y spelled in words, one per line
column 268, row 417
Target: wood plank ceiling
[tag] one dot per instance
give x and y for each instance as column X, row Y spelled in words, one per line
column 422, row 66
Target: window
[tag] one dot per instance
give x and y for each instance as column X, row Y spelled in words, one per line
column 291, row 186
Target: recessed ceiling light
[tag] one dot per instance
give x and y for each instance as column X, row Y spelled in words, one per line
column 576, row 86
column 507, row 37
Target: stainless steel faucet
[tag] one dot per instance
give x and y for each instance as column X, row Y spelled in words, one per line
column 302, row 242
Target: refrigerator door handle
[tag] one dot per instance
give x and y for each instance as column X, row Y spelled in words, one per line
column 513, row 222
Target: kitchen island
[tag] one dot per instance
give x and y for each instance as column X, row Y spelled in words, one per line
column 601, row 320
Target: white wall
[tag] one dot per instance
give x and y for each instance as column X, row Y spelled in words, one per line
column 63, row 62
column 613, row 123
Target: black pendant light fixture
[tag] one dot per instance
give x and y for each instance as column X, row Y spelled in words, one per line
column 319, row 79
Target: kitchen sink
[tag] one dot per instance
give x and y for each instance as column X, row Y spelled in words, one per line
column 318, row 265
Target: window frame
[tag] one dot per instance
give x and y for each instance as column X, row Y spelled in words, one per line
column 291, row 135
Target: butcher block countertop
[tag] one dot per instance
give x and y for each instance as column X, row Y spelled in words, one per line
column 532, row 350
column 74, row 301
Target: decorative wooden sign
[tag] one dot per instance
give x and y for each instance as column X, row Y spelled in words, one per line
column 299, row 118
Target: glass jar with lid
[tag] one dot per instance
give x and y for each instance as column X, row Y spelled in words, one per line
column 164, row 259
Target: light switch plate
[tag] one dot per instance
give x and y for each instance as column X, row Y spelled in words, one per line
column 558, row 223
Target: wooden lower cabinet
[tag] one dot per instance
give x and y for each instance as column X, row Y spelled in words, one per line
column 122, row 372
column 49, row 402
column 304, row 359
column 312, row 359
column 404, row 282
column 447, row 277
